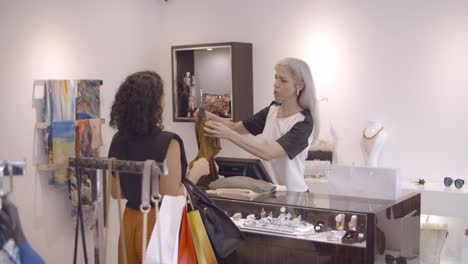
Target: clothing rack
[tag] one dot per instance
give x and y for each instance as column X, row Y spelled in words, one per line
column 10, row 168
column 125, row 166
column 101, row 204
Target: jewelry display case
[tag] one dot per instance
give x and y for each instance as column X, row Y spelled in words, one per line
column 291, row 227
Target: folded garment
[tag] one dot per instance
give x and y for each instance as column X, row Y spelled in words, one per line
column 235, row 193
column 281, row 188
column 242, row 182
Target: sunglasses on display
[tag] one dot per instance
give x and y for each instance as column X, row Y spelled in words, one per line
column 319, row 226
column 458, row 182
column 389, row 259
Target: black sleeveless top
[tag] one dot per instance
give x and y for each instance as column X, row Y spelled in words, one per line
column 152, row 147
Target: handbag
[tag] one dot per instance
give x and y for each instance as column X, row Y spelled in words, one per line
column 224, row 235
column 186, row 253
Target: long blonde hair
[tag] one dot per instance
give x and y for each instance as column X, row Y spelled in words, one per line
column 307, row 97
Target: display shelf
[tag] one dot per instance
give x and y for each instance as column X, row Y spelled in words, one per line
column 314, row 237
column 40, row 125
column 437, row 199
column 435, row 196
column 398, row 230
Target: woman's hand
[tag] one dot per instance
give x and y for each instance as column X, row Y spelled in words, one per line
column 209, row 115
column 200, row 168
column 218, row 130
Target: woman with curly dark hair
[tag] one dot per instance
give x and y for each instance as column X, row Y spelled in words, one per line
column 137, row 115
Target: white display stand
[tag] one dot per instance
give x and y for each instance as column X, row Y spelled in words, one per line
column 372, row 142
column 433, row 237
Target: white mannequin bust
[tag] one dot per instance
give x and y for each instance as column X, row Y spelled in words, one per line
column 372, row 142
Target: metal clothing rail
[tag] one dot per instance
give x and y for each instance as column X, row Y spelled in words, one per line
column 150, row 171
column 125, row 166
column 10, row 168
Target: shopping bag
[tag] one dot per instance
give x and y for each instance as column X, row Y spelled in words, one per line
column 164, row 241
column 203, row 249
column 224, row 235
column 186, row 249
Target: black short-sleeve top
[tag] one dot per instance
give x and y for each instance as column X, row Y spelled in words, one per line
column 151, row 147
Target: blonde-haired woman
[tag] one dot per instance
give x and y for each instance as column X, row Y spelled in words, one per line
column 283, row 129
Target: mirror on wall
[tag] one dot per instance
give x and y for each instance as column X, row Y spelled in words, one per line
column 211, row 76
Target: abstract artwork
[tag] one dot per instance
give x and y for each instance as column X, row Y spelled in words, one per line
column 60, row 100
column 63, row 147
column 87, row 100
column 88, row 137
column 69, row 124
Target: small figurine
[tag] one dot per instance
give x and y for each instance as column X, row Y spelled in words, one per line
column 283, row 209
column 250, row 219
column 237, row 216
column 262, row 214
column 296, row 221
column 340, row 218
column 352, row 223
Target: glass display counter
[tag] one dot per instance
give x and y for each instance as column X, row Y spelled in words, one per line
column 291, row 227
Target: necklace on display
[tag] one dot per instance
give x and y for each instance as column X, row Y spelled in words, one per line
column 373, row 136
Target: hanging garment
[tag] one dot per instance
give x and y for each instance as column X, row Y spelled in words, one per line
column 9, row 254
column 87, row 101
column 208, row 147
column 88, row 137
column 60, row 100
column 88, row 195
column 63, row 147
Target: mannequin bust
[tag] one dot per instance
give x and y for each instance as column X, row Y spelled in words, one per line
column 372, row 142
column 352, row 223
column 340, row 219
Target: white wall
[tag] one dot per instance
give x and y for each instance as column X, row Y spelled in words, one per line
column 59, row 39
column 213, row 70
column 401, row 62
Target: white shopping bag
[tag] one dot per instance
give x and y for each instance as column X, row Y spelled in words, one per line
column 164, row 242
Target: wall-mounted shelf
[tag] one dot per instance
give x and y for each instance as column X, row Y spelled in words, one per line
column 438, row 199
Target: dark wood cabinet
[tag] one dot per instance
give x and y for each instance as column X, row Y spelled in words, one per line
column 216, row 76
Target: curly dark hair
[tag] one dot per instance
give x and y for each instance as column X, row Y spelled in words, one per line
column 137, row 107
